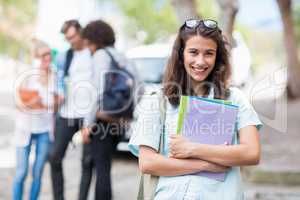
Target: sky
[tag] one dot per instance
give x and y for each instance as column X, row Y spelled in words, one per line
column 263, row 14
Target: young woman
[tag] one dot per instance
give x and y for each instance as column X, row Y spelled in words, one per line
column 199, row 66
column 34, row 123
column 100, row 39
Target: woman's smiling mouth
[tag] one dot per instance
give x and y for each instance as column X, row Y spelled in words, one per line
column 199, row 69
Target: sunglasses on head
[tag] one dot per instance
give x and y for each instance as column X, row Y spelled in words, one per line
column 207, row 23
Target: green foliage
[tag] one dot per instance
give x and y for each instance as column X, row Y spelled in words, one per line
column 22, row 11
column 156, row 18
column 13, row 47
column 15, row 16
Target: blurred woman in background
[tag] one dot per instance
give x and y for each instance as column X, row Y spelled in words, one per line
column 100, row 39
column 36, row 102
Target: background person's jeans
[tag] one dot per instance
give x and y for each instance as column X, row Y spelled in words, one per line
column 42, row 142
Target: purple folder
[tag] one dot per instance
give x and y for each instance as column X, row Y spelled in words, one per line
column 207, row 121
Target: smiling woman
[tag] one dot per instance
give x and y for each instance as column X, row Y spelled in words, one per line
column 199, row 66
column 199, row 52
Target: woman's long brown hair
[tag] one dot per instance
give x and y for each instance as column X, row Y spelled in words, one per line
column 177, row 82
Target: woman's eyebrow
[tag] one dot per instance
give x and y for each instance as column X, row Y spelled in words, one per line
column 196, row 49
column 192, row 48
column 211, row 50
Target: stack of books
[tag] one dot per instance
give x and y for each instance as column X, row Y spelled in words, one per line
column 207, row 121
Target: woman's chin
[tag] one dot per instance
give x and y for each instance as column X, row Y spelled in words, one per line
column 198, row 78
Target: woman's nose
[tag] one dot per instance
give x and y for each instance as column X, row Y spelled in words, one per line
column 199, row 60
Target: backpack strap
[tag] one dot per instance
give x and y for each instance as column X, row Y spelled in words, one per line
column 69, row 58
column 162, row 112
column 114, row 63
column 148, row 182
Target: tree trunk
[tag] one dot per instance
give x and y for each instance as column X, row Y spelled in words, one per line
column 229, row 10
column 293, row 82
column 185, row 9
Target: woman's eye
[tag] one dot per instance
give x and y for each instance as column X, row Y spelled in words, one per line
column 193, row 52
column 209, row 53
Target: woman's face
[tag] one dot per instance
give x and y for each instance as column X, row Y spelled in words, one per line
column 199, row 57
column 44, row 54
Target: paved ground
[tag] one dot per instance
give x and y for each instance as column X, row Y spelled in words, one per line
column 124, row 173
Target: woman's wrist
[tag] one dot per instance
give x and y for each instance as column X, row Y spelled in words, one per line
column 202, row 165
column 193, row 149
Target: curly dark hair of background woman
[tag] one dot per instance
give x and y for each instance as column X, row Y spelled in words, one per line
column 99, row 33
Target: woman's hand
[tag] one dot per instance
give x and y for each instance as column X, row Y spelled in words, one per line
column 86, row 135
column 180, row 147
column 106, row 118
column 58, row 100
column 34, row 103
column 212, row 167
column 151, row 162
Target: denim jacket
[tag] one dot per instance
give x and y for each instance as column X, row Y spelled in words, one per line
column 59, row 67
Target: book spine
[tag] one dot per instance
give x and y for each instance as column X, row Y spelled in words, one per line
column 182, row 109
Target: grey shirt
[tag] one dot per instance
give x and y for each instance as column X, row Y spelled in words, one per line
column 101, row 63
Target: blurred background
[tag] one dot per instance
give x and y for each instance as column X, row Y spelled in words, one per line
column 265, row 38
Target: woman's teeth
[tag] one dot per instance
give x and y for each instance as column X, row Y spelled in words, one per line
column 199, row 69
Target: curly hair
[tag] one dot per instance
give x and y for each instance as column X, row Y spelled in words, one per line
column 99, row 33
column 176, row 73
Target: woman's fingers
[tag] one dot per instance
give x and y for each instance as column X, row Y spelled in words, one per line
column 86, row 135
column 218, row 168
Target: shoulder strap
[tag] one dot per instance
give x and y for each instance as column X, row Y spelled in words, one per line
column 148, row 182
column 113, row 60
column 162, row 112
column 69, row 58
column 116, row 65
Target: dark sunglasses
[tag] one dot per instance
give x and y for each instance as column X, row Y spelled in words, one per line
column 207, row 23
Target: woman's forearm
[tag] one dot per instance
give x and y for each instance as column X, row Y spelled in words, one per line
column 227, row 155
column 247, row 152
column 163, row 166
column 153, row 163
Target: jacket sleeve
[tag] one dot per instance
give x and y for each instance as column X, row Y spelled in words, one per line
column 59, row 65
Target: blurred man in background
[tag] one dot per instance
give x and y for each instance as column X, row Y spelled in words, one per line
column 74, row 71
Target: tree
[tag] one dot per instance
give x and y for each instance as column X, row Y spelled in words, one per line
column 185, row 9
column 155, row 18
column 293, row 82
column 229, row 10
column 16, row 20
